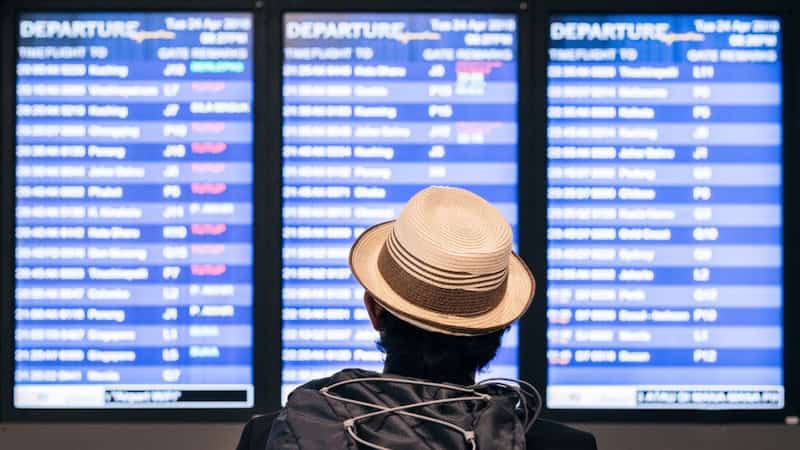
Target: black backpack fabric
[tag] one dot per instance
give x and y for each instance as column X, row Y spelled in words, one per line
column 314, row 420
column 544, row 435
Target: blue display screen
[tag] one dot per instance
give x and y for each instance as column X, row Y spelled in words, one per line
column 134, row 210
column 665, row 254
column 375, row 108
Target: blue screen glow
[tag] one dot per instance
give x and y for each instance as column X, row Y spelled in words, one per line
column 665, row 251
column 134, row 210
column 375, row 108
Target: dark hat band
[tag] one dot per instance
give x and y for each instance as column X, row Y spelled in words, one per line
column 457, row 302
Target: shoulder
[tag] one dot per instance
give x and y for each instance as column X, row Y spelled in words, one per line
column 256, row 431
column 549, row 435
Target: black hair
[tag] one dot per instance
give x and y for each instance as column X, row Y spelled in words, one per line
column 419, row 353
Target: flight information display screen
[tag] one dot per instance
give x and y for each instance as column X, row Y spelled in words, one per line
column 375, row 108
column 134, row 210
column 665, row 251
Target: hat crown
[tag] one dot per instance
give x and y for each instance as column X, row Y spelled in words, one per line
column 455, row 230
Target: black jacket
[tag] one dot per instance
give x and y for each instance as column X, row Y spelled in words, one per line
column 317, row 421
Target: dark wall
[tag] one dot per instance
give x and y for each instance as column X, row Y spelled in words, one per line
column 225, row 437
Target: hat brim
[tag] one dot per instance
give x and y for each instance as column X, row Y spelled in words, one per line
column 517, row 299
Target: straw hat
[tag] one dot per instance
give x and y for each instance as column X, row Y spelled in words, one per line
column 445, row 265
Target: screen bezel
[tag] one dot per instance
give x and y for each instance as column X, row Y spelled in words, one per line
column 531, row 60
column 537, row 340
column 263, row 368
column 519, row 9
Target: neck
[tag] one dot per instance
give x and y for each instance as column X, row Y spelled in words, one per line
column 396, row 367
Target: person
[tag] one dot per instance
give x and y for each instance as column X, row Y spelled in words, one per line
column 442, row 286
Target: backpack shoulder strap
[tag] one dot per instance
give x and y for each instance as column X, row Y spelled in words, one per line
column 281, row 436
column 308, row 423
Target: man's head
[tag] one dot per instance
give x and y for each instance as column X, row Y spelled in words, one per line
column 443, row 275
column 412, row 351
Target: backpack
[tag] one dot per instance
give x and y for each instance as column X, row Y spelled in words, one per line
column 359, row 411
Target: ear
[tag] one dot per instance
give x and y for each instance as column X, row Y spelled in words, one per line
column 375, row 311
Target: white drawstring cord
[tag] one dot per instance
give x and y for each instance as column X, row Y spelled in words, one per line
column 469, row 436
column 351, row 431
column 519, row 388
column 453, row 387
